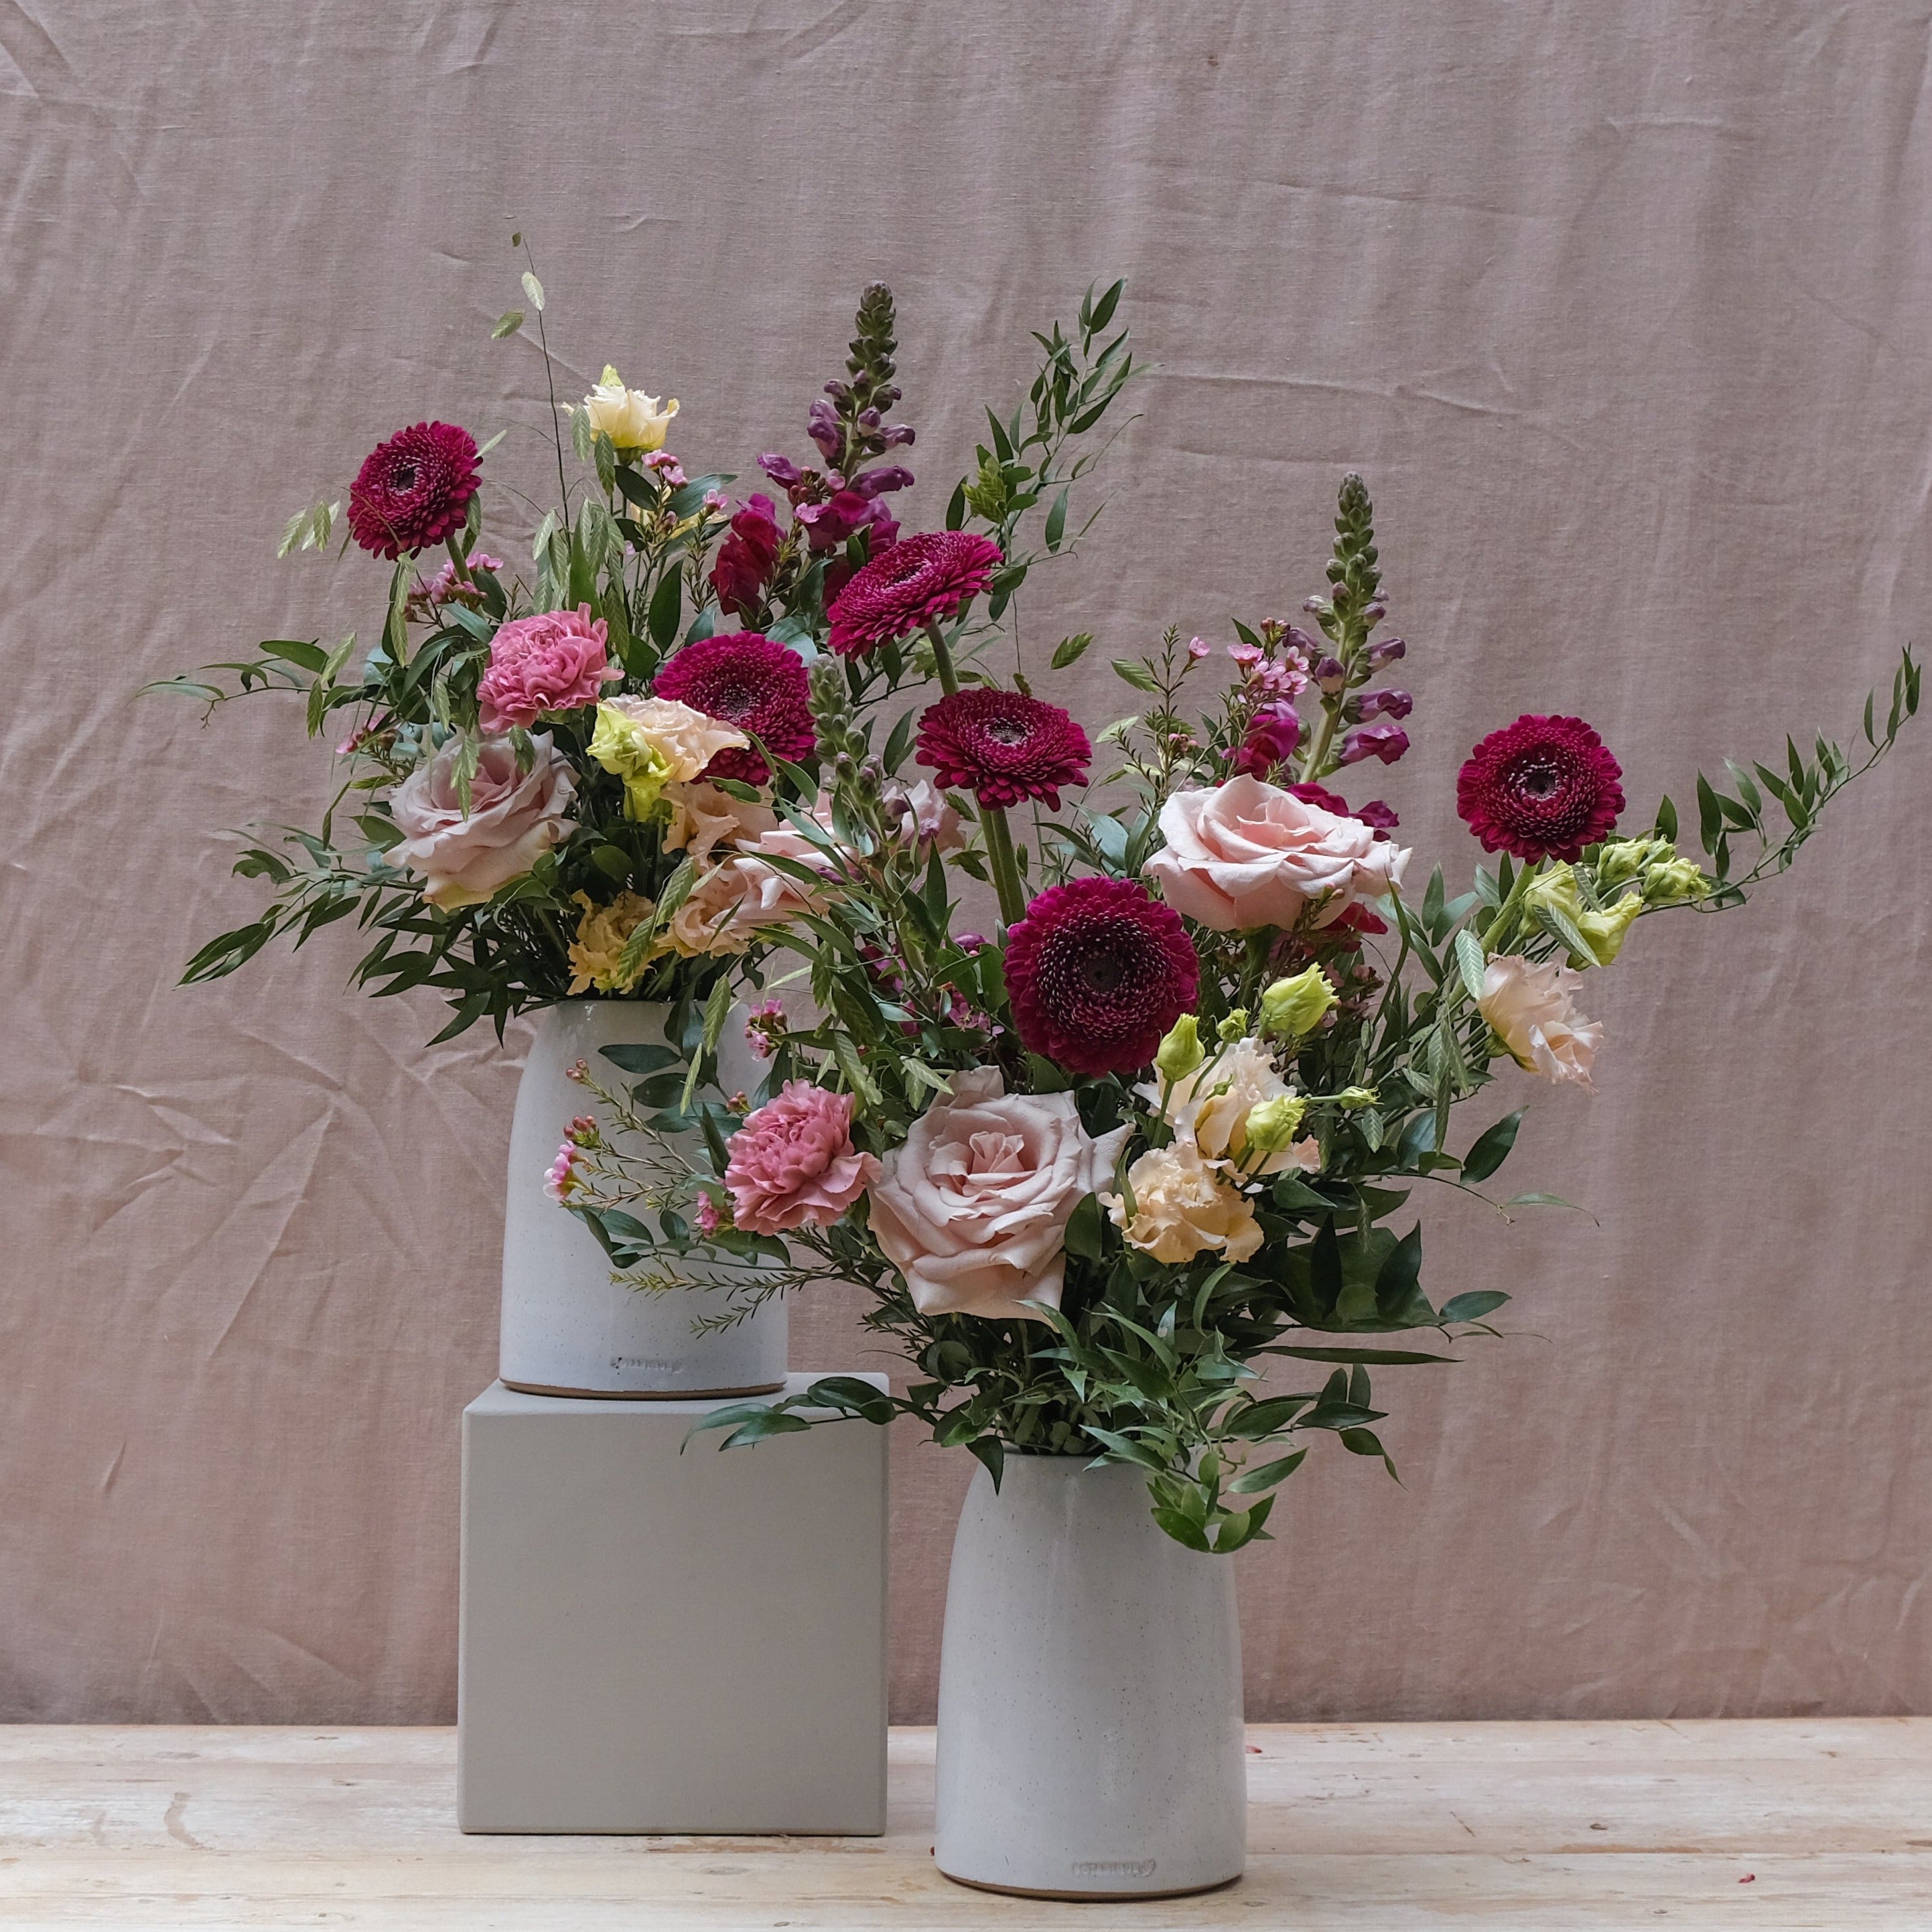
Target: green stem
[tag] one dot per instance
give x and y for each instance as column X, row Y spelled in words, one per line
column 1498, row 928
column 1005, row 866
column 456, row 558
column 942, row 658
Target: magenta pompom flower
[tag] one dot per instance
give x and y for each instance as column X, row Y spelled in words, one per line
column 413, row 490
column 745, row 679
column 1002, row 747
column 1541, row 788
column 922, row 580
column 1097, row 971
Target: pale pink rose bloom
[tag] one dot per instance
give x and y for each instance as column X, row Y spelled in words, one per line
column 730, row 902
column 703, row 818
column 924, row 816
column 513, row 819
column 1531, row 1008
column 972, row 1209
column 1248, row 854
column 554, row 661
column 792, row 1163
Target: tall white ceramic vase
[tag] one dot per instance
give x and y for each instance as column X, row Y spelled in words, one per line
column 568, row 1328
column 1089, row 1694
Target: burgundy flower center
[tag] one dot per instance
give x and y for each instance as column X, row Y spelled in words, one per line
column 1097, row 973
column 402, row 477
column 1008, row 731
column 726, row 698
column 1537, row 778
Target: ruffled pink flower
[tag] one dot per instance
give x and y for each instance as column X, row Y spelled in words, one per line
column 792, row 1163
column 924, row 579
column 554, row 661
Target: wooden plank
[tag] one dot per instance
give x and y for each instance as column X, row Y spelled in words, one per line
column 1801, row 1826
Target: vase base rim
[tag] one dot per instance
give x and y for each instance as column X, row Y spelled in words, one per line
column 642, row 1395
column 1090, row 1897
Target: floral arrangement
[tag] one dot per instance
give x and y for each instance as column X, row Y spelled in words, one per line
column 1108, row 1065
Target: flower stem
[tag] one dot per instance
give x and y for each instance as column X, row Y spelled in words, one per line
column 1006, row 867
column 942, row 658
column 1497, row 931
column 457, row 562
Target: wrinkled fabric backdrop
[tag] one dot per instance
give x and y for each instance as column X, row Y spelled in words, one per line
column 1622, row 311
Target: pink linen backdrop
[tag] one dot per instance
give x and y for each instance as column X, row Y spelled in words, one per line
column 1622, row 310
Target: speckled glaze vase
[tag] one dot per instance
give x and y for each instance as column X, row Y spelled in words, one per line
column 569, row 1328
column 1089, row 1694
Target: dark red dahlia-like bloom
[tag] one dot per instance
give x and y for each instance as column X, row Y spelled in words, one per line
column 746, row 556
column 412, row 490
column 1002, row 747
column 1542, row 788
column 1376, row 814
column 1097, row 971
column 921, row 579
column 749, row 680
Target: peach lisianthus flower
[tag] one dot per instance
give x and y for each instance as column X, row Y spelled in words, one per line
column 792, row 1164
column 1530, row 1008
column 1210, row 1106
column 731, row 901
column 1183, row 1203
column 703, row 818
column 650, row 742
column 1248, row 854
column 514, row 818
column 972, row 1208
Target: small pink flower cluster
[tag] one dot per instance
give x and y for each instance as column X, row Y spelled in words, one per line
column 561, row 1175
column 762, row 1026
column 429, row 596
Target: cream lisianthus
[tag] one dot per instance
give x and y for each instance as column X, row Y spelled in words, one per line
column 597, row 952
column 1182, row 1204
column 1558, row 890
column 635, row 423
column 703, row 818
column 1211, row 1105
column 650, row 742
column 1530, row 1008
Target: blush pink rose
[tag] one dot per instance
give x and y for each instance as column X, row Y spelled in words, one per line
column 972, row 1209
column 1249, row 854
column 792, row 1163
column 514, row 818
column 554, row 661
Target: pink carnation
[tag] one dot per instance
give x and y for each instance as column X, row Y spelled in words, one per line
column 554, row 661
column 792, row 1163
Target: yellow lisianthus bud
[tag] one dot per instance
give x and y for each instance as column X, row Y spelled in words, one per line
column 650, row 742
column 1353, row 1097
column 1556, row 888
column 1292, row 1007
column 1234, row 1027
column 1272, row 1125
column 597, row 952
column 1671, row 881
column 1623, row 859
column 1605, row 930
column 635, row 422
column 1181, row 1052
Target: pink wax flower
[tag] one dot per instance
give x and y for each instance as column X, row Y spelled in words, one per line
column 561, row 1175
column 792, row 1163
column 706, row 1215
column 1244, row 655
column 1199, row 648
column 763, row 1024
column 554, row 661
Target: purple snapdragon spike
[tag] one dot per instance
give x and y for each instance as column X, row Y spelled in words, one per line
column 1272, row 734
column 781, row 470
column 1390, row 703
column 1386, row 653
column 823, row 426
column 895, row 436
column 1385, row 741
column 876, row 482
column 1330, row 675
column 1309, row 649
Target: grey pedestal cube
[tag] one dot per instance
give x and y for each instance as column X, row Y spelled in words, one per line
column 659, row 1641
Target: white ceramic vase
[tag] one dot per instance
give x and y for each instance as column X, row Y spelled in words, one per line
column 568, row 1328
column 1089, row 1694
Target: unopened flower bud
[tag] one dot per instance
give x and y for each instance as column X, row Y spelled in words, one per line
column 1386, row 651
column 1234, row 1027
column 1672, row 880
column 1181, row 1051
column 1623, row 859
column 1329, row 675
column 1354, row 1097
column 1374, row 612
column 1292, row 1007
column 1272, row 1125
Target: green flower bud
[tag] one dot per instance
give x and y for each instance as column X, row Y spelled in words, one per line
column 1234, row 1027
column 1605, row 930
column 1623, row 859
column 1292, row 1007
column 1272, row 1125
column 1180, row 1053
column 1356, row 1096
column 1671, row 881
column 1557, row 889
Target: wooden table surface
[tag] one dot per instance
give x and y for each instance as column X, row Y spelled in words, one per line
column 1824, row 1825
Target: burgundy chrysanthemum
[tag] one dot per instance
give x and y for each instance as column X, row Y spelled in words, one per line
column 1097, row 971
column 920, row 580
column 412, row 490
column 1002, row 747
column 748, row 680
column 1542, row 788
